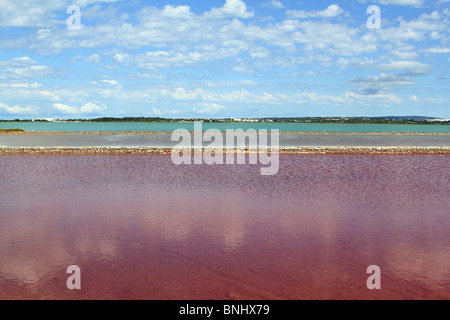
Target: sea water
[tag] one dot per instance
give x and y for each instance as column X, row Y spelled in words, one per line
column 172, row 126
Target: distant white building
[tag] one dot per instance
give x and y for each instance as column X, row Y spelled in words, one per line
column 45, row 119
column 439, row 120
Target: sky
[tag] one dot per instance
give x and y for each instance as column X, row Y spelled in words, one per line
column 224, row 58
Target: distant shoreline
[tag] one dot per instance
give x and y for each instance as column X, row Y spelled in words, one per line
column 394, row 120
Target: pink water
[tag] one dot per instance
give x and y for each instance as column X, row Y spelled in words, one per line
column 140, row 227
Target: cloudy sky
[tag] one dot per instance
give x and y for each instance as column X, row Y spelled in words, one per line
column 223, row 58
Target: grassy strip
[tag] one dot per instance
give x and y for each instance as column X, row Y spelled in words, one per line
column 12, row 130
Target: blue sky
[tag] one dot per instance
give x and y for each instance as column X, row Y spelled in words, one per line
column 224, row 58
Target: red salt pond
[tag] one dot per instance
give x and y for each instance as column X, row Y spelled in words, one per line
column 140, row 227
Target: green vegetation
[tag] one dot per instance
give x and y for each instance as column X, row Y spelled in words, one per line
column 356, row 120
column 11, row 130
column 129, row 119
column 352, row 120
column 337, row 120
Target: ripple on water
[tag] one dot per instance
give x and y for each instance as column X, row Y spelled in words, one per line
column 141, row 227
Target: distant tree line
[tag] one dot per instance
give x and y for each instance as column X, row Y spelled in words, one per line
column 337, row 120
column 356, row 120
column 127, row 119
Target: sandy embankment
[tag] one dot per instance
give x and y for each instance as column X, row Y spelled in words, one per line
column 165, row 150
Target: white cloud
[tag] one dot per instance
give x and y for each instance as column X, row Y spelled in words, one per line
column 32, row 13
column 412, row 68
column 414, row 98
column 121, row 57
column 332, row 11
column 231, row 9
column 379, row 97
column 242, row 96
column 94, row 59
column 209, row 108
column 437, row 50
column 404, row 51
column 155, row 60
column 413, row 3
column 157, row 112
column 23, row 68
column 314, row 97
column 16, row 109
column 112, row 83
column 179, row 12
column 88, row 108
column 49, row 95
column 276, row 98
column 374, row 85
column 201, row 38
column 183, row 94
column 27, row 85
column 355, row 63
column 92, row 108
column 436, row 100
column 63, row 108
column 431, row 26
column 13, row 43
column 275, row 4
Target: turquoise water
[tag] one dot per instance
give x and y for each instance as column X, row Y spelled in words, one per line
column 170, row 127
